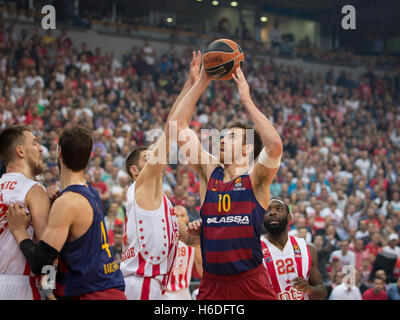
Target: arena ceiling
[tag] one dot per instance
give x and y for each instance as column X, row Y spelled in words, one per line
column 376, row 12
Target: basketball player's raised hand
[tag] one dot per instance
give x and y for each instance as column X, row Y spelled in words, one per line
column 243, row 86
column 195, row 64
column 17, row 217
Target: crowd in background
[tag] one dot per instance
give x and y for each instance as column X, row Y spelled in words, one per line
column 278, row 44
column 340, row 168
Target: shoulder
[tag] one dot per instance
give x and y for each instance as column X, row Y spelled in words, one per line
column 37, row 190
column 71, row 201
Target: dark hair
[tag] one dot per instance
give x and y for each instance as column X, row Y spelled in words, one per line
column 76, row 145
column 9, row 138
column 133, row 158
column 257, row 143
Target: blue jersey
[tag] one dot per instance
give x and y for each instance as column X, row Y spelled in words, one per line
column 231, row 225
column 87, row 264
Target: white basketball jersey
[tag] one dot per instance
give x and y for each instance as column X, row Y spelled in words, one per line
column 13, row 189
column 283, row 266
column 150, row 240
column 181, row 273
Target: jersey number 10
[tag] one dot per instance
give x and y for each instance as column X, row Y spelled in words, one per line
column 224, row 202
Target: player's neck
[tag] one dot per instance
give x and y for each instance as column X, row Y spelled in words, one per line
column 20, row 168
column 69, row 177
column 278, row 240
column 233, row 170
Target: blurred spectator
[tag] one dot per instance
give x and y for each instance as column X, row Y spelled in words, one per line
column 100, row 186
column 345, row 291
column 393, row 292
column 275, row 36
column 116, row 249
column 323, row 252
column 117, row 229
column 148, row 53
column 377, row 292
column 392, row 247
column 374, row 247
column 359, row 252
column 179, row 198
column 193, row 213
column 344, row 255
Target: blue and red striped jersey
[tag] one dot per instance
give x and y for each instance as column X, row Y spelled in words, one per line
column 231, row 225
column 87, row 264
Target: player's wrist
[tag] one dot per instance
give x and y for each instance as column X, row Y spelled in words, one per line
column 20, row 235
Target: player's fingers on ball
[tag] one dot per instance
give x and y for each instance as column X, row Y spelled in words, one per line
column 199, row 56
column 234, row 78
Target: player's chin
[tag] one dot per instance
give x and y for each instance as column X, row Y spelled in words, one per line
column 224, row 158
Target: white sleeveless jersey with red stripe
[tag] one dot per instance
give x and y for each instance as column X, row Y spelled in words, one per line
column 284, row 266
column 181, row 272
column 150, row 239
column 13, row 189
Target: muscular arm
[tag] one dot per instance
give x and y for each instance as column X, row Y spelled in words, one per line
column 316, row 288
column 261, row 176
column 198, row 158
column 37, row 201
column 148, row 188
column 53, row 238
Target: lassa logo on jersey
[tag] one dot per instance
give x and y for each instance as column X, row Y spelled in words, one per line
column 229, row 219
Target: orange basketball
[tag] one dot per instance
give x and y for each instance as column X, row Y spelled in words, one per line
column 221, row 58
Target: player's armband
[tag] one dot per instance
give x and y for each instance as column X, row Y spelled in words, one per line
column 267, row 161
column 38, row 256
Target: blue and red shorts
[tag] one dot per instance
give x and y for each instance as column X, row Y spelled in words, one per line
column 108, row 294
column 254, row 284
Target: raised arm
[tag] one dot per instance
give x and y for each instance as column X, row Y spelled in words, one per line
column 198, row 158
column 265, row 169
column 148, row 188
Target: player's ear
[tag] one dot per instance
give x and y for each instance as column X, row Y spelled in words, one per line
column 290, row 217
column 134, row 171
column 19, row 151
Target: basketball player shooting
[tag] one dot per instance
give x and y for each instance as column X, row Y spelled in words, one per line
column 152, row 229
column 21, row 154
column 291, row 262
column 75, row 232
column 234, row 197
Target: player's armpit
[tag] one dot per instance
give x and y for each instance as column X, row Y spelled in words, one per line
column 261, row 179
column 37, row 201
